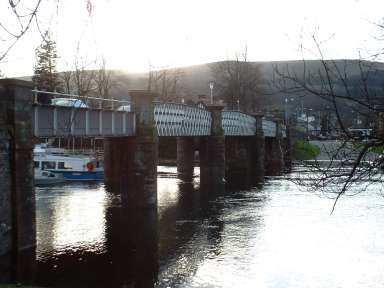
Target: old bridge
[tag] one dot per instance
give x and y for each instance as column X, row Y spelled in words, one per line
column 230, row 143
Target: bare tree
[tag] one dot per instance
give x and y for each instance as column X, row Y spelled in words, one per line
column 166, row 83
column 20, row 16
column 66, row 78
column 83, row 77
column 238, row 81
column 345, row 87
column 104, row 80
column 80, row 80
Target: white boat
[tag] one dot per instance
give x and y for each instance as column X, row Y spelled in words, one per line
column 46, row 177
column 72, row 166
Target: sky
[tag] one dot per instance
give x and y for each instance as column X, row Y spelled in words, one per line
column 134, row 35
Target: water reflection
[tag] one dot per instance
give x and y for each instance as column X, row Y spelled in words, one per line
column 71, row 218
column 270, row 236
column 109, row 247
column 132, row 247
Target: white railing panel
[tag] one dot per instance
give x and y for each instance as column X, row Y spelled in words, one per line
column 174, row 119
column 269, row 128
column 236, row 123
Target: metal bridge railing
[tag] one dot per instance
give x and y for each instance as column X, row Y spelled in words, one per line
column 236, row 123
column 174, row 119
column 79, row 118
column 78, row 100
column 75, row 117
column 269, row 128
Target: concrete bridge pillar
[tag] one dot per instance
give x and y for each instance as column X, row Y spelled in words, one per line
column 258, row 167
column 274, row 157
column 212, row 154
column 17, row 195
column 131, row 162
column 185, row 158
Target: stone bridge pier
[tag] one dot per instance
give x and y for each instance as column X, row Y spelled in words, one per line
column 245, row 157
column 186, row 147
column 287, row 149
column 237, row 161
column 274, row 154
column 17, row 197
column 212, row 155
column 131, row 162
column 239, row 164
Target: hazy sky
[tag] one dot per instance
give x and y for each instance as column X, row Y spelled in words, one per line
column 131, row 35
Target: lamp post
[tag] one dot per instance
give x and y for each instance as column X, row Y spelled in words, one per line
column 211, row 84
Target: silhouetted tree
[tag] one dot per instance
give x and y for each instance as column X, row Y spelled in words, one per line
column 45, row 76
column 239, row 82
column 104, row 80
column 166, row 83
column 82, row 79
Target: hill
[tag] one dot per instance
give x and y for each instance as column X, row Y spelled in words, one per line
column 194, row 80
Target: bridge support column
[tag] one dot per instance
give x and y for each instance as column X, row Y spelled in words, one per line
column 274, row 159
column 185, row 158
column 379, row 122
column 17, row 195
column 212, row 154
column 258, row 168
column 288, row 149
column 131, row 162
column 238, row 161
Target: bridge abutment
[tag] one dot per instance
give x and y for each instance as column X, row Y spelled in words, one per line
column 17, row 197
column 185, row 158
column 212, row 154
column 131, row 162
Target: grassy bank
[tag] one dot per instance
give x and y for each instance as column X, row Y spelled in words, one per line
column 303, row 150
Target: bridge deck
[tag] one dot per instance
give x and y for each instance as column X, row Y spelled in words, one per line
column 77, row 118
column 170, row 120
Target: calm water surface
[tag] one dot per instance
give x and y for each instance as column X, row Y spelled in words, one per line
column 271, row 236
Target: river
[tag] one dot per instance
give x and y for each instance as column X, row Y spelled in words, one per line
column 276, row 235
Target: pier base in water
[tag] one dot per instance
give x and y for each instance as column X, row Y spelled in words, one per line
column 185, row 158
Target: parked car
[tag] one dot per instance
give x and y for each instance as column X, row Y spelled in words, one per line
column 69, row 102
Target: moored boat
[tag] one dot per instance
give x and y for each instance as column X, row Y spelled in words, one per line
column 72, row 166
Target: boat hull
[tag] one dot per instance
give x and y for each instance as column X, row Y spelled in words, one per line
column 82, row 175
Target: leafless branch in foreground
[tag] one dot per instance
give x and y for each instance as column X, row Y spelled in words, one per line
column 350, row 160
